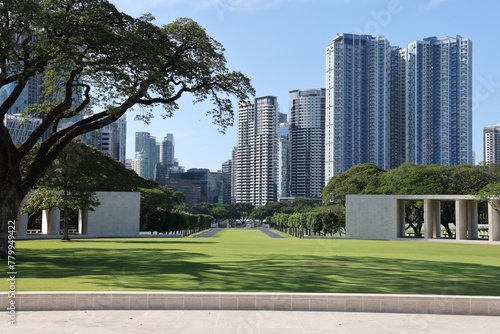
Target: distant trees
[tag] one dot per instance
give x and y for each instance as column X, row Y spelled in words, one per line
column 310, row 223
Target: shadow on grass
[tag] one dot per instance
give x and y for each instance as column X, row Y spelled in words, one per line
column 173, row 270
column 144, row 241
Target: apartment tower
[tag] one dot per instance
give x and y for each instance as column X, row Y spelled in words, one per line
column 491, row 136
column 255, row 157
column 306, row 137
column 387, row 105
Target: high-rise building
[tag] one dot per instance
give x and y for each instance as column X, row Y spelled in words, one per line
column 147, row 155
column 439, row 101
column 226, row 181
column 31, row 94
column 20, row 128
column 141, row 164
column 491, row 136
column 307, row 139
column 256, row 154
column 110, row 139
column 388, row 105
column 167, row 147
column 283, row 158
column 197, row 185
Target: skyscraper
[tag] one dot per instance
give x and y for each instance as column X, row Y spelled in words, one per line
column 388, row 105
column 110, row 139
column 20, row 127
column 283, row 157
column 147, row 155
column 256, row 154
column 491, row 136
column 306, row 136
column 167, row 147
column 226, row 181
column 439, row 101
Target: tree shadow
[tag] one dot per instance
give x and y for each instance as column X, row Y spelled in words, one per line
column 177, row 270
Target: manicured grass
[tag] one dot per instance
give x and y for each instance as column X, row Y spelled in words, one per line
column 248, row 260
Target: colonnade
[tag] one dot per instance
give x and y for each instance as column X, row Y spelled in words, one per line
column 466, row 218
column 51, row 223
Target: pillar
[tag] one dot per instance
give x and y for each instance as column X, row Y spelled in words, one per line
column 400, row 218
column 461, row 219
column 83, row 219
column 494, row 219
column 472, row 220
column 432, row 219
column 21, row 224
column 51, row 222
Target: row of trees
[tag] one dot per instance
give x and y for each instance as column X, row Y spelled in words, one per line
column 243, row 212
column 411, row 179
column 176, row 222
column 310, row 223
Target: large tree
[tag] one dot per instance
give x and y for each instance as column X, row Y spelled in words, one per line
column 91, row 55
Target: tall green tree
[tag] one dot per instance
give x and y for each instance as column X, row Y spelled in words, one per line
column 90, row 54
column 242, row 211
column 353, row 181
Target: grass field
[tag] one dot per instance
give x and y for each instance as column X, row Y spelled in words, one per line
column 248, row 260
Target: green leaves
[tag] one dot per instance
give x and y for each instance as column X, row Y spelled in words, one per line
column 410, row 179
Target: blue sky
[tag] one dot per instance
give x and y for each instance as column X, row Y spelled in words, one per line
column 280, row 45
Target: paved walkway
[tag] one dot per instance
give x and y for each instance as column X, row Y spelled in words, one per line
column 271, row 233
column 239, row 322
column 209, row 233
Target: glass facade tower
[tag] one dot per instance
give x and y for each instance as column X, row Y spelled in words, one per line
column 387, row 105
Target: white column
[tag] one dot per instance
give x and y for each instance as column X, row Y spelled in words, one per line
column 461, row 219
column 494, row 219
column 51, row 221
column 432, row 219
column 472, row 220
column 82, row 221
column 21, row 224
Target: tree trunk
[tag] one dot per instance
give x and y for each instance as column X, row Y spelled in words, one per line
column 10, row 201
column 66, row 217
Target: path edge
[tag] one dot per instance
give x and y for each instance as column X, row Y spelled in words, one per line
column 122, row 300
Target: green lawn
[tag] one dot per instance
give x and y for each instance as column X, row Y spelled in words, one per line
column 248, row 260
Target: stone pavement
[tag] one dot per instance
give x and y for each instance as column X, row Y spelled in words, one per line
column 209, row 233
column 243, row 322
column 270, row 233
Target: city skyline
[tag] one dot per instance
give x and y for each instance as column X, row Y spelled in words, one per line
column 294, row 35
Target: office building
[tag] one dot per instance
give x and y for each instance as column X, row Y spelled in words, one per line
column 147, row 155
column 256, row 154
column 306, row 137
column 167, row 147
column 227, row 168
column 110, row 139
column 387, row 105
column 491, row 137
column 198, row 185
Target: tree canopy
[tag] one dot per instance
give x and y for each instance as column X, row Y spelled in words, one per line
column 90, row 55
